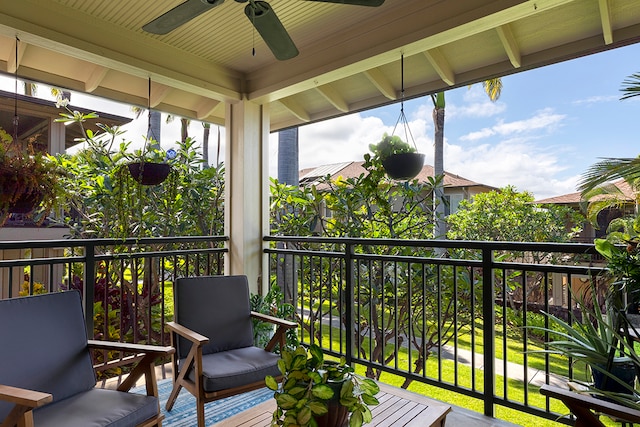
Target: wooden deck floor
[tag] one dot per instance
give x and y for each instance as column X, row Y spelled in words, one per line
column 397, row 407
column 456, row 417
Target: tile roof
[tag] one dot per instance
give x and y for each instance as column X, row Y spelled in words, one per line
column 354, row 169
column 576, row 198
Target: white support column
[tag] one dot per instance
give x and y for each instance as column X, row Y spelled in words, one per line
column 246, row 189
column 56, row 137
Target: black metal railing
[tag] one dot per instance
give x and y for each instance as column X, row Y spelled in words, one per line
column 126, row 284
column 451, row 314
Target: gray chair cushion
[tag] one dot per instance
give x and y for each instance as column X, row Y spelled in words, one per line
column 235, row 368
column 97, row 408
column 216, row 307
column 44, row 346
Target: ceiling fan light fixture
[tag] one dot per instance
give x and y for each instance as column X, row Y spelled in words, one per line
column 271, row 30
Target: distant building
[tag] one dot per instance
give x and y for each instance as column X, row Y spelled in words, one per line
column 628, row 205
column 456, row 188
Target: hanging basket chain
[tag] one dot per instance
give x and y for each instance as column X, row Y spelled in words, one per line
column 16, row 119
column 403, row 118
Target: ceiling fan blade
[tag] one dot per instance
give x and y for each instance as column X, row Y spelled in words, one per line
column 271, row 30
column 179, row 15
column 373, row 3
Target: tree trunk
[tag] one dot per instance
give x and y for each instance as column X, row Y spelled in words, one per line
column 288, row 174
column 438, row 171
column 155, row 124
column 205, row 143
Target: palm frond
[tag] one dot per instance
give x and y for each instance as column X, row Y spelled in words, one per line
column 609, row 169
column 493, row 88
column 631, row 86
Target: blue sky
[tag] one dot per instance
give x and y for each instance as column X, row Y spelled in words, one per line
column 547, row 128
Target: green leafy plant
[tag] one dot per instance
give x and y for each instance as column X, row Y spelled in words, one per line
column 310, row 383
column 389, row 145
column 596, row 339
column 27, row 175
column 272, row 304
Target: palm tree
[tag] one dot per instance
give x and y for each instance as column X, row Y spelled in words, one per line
column 597, row 180
column 493, row 89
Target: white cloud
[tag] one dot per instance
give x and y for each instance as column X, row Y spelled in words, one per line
column 346, row 139
column 544, row 120
column 596, row 100
column 519, row 163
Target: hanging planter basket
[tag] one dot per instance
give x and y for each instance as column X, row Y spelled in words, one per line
column 147, row 173
column 26, row 203
column 403, row 166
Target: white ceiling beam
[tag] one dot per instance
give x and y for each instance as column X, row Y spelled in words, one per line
column 441, row 65
column 46, row 26
column 295, row 108
column 206, row 108
column 12, row 65
column 605, row 20
column 96, row 76
column 158, row 93
column 510, row 45
column 439, row 24
column 332, row 95
column 381, row 82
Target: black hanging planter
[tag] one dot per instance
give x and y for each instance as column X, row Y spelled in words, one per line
column 403, row 166
column 147, row 173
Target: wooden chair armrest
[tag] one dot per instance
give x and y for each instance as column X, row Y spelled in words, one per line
column 275, row 320
column 155, row 350
column 24, row 401
column 144, row 363
column 582, row 404
column 24, row 397
column 187, row 333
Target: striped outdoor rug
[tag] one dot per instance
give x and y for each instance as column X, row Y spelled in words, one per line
column 183, row 413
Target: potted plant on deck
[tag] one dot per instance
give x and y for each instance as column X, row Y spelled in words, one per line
column 29, row 181
column 400, row 160
column 318, row 392
column 596, row 337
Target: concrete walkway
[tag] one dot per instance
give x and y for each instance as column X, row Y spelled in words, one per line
column 514, row 371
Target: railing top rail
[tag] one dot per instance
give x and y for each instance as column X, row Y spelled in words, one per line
column 576, row 248
column 68, row 243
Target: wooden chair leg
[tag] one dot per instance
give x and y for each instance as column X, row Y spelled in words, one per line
column 173, row 396
column 200, row 411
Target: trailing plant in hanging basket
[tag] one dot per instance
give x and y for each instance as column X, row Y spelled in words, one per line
column 30, row 181
column 399, row 159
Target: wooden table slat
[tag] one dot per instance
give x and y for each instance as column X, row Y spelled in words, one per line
column 397, row 407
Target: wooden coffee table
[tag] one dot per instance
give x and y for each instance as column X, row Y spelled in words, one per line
column 398, row 407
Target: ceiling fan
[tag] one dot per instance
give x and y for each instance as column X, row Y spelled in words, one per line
column 259, row 12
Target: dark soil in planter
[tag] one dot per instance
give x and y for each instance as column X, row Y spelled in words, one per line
column 403, row 166
column 149, row 173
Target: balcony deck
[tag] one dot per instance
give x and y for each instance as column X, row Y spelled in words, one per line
column 457, row 417
column 486, row 298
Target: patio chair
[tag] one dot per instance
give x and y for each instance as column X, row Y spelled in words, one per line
column 47, row 377
column 213, row 336
column 587, row 409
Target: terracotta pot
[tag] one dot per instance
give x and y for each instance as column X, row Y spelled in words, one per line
column 147, row 173
column 403, row 166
